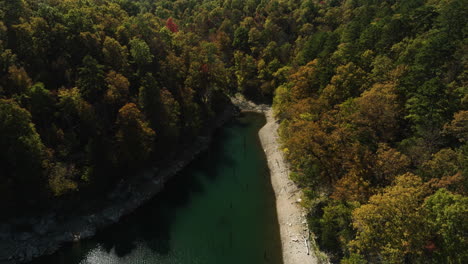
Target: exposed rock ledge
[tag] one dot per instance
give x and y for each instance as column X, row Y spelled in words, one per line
column 49, row 233
column 291, row 216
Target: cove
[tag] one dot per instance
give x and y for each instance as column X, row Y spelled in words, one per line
column 218, row 210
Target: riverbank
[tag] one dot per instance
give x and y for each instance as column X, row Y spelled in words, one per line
column 48, row 232
column 291, row 216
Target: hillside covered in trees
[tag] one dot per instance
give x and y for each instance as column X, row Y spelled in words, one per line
column 90, row 91
column 372, row 97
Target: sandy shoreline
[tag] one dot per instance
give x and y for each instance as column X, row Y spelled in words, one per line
column 291, row 217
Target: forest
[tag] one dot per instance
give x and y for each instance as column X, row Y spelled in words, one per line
column 372, row 97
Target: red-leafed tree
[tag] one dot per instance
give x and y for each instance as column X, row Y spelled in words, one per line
column 171, row 25
column 204, row 68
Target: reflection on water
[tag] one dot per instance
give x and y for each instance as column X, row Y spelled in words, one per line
column 220, row 209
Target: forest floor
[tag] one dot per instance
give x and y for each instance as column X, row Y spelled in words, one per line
column 294, row 232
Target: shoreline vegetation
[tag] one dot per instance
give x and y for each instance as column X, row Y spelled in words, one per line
column 48, row 234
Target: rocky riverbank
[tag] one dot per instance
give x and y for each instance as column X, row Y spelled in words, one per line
column 291, row 216
column 50, row 231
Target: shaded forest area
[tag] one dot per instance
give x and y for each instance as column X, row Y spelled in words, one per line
column 372, row 97
column 91, row 92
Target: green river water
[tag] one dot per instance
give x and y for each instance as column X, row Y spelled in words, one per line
column 218, row 210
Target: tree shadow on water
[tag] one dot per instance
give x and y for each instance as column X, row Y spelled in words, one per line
column 150, row 225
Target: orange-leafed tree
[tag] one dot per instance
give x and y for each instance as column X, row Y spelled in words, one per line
column 134, row 137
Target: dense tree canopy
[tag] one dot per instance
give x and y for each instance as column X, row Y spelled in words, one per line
column 372, row 98
column 373, row 113
column 94, row 86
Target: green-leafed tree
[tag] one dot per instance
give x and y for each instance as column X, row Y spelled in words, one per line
column 91, row 79
column 23, row 157
column 447, row 214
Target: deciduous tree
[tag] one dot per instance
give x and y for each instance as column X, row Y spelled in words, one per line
column 134, row 137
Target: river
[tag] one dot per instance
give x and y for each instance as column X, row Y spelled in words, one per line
column 218, row 210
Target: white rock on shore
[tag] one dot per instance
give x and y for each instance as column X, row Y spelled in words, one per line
column 291, row 217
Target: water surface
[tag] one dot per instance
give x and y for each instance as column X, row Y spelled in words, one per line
column 218, row 210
